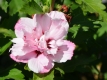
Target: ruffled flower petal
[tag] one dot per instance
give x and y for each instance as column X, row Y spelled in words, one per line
column 24, row 24
column 65, row 52
column 56, row 30
column 24, row 58
column 43, row 20
column 40, row 64
column 57, row 15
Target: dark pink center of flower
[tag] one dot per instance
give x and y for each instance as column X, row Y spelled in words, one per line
column 38, row 52
column 48, row 45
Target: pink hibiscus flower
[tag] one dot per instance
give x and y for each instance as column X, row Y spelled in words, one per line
column 40, row 41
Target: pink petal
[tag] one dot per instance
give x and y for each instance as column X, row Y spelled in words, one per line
column 42, row 43
column 17, row 48
column 60, row 16
column 59, row 42
column 41, row 64
column 57, row 15
column 24, row 58
column 24, row 24
column 28, row 48
column 21, row 49
column 18, row 40
column 65, row 52
column 52, row 44
column 52, row 51
column 56, row 31
column 37, row 33
column 43, row 20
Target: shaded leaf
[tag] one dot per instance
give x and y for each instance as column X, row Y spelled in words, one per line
column 60, row 70
column 70, row 66
column 105, row 76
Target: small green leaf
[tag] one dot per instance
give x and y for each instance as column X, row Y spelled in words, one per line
column 7, row 33
column 101, row 31
column 5, row 47
column 74, row 30
column 14, row 74
column 60, row 70
column 4, row 5
column 94, row 70
column 26, row 67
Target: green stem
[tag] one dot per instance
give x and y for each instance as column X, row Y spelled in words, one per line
column 52, row 5
column 38, row 76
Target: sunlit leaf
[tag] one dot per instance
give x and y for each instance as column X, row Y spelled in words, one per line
column 67, row 2
column 74, row 30
column 101, row 31
column 7, row 33
column 48, row 76
column 14, row 74
column 5, row 47
column 32, row 8
column 4, row 5
column 15, row 6
column 93, row 6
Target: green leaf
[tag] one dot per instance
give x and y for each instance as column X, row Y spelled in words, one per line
column 5, row 47
column 78, row 60
column 94, row 70
column 105, row 76
column 60, row 70
column 45, row 4
column 93, row 6
column 15, row 6
column 4, row 5
column 13, row 74
column 7, row 33
column 67, row 2
column 74, row 30
column 32, row 8
column 48, row 76
column 101, row 31
column 26, row 67
column 74, row 6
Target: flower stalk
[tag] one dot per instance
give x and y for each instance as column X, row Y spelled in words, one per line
column 52, row 5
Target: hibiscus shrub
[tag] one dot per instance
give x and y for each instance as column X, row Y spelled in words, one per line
column 53, row 40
